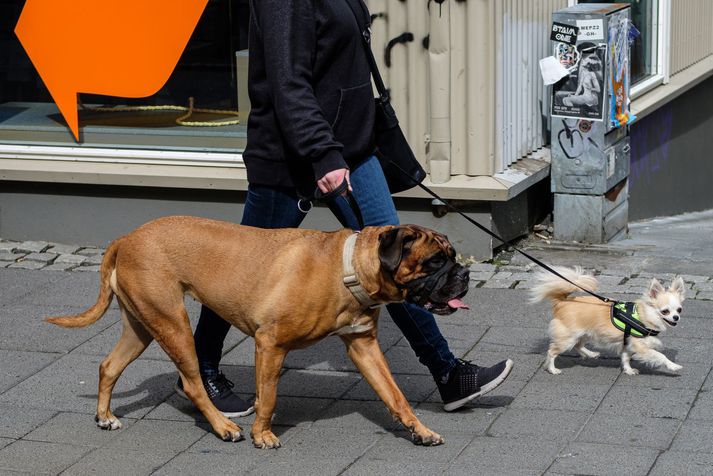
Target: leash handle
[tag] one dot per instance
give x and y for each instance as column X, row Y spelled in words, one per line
column 340, row 190
column 503, row 240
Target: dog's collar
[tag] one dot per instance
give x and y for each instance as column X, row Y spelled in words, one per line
column 625, row 317
column 349, row 275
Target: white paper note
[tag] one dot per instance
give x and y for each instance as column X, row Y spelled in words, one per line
column 552, row 71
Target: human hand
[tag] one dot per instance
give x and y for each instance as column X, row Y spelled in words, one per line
column 334, row 179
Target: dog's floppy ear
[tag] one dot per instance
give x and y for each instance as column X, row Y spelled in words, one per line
column 655, row 288
column 678, row 287
column 391, row 246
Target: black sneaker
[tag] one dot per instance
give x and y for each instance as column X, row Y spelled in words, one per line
column 220, row 393
column 468, row 381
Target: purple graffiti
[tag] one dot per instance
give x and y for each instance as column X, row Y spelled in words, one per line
column 650, row 140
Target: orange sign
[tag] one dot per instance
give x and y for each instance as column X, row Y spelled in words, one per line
column 125, row 48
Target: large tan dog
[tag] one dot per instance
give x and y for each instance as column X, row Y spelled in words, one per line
column 286, row 288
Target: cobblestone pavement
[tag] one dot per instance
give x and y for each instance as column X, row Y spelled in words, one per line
column 59, row 257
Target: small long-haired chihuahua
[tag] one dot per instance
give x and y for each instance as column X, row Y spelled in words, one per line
column 580, row 320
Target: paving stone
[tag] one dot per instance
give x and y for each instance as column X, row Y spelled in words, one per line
column 555, row 425
column 316, row 443
column 470, row 419
column 480, row 276
column 705, row 286
column 76, row 428
column 402, row 360
column 602, row 459
column 501, row 275
column 32, row 246
column 30, row 332
column 524, row 339
column 692, row 278
column 694, row 436
column 61, row 249
column 70, row 384
column 7, row 256
column 623, row 431
column 705, row 295
column 513, row 268
column 70, row 259
column 6, row 441
column 507, row 455
column 46, row 258
column 17, row 421
column 59, row 267
column 122, row 462
column 482, row 267
column 639, row 282
column 703, row 407
column 577, row 370
column 654, row 402
column 70, row 290
column 526, row 284
column 360, row 415
column 312, row 383
column 5, row 264
column 28, row 265
column 210, row 443
column 416, row 388
column 565, row 396
column 16, row 284
column 367, row 467
column 18, row 365
column 92, row 269
column 36, row 457
column 677, row 462
column 498, row 284
column 607, row 280
column 93, row 260
column 163, row 436
column 90, row 251
column 681, row 350
column 8, row 246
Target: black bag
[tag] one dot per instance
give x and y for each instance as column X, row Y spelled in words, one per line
column 401, row 168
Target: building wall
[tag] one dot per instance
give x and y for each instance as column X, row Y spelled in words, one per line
column 672, row 157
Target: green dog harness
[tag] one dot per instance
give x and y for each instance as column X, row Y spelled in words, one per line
column 625, row 317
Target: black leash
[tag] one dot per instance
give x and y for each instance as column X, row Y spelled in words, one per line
column 503, row 240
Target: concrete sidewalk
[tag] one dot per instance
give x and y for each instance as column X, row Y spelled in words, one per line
column 590, row 420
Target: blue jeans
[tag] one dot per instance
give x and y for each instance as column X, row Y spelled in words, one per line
column 272, row 207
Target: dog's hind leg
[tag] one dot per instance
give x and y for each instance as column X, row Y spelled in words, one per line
column 366, row 354
column 268, row 363
column 561, row 341
column 584, row 352
column 133, row 341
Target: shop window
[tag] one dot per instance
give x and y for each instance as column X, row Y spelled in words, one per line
column 206, row 72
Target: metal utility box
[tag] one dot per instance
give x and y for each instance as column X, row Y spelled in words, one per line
column 589, row 112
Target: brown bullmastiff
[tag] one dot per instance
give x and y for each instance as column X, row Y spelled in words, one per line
column 287, row 288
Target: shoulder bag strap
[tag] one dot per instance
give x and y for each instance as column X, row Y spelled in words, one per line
column 365, row 27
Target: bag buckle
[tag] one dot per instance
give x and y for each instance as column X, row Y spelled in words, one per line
column 367, row 34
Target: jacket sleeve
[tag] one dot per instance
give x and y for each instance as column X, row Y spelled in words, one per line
column 287, row 31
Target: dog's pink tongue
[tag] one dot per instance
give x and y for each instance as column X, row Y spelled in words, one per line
column 457, row 304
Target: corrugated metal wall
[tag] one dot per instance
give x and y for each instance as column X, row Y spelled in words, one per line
column 467, row 88
column 691, row 33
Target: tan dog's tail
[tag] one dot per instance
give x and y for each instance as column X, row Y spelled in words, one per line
column 550, row 286
column 92, row 315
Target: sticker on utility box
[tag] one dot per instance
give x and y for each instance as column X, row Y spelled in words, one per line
column 590, row 30
column 564, row 33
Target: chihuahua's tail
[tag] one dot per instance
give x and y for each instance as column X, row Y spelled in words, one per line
column 552, row 287
column 92, row 315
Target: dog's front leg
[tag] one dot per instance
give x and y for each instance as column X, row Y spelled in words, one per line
column 625, row 363
column 655, row 358
column 366, row 354
column 268, row 363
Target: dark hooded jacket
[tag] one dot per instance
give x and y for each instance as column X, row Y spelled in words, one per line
column 312, row 108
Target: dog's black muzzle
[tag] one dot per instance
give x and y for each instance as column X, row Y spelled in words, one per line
column 436, row 290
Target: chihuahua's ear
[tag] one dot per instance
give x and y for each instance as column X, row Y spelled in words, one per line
column 655, row 288
column 678, row 287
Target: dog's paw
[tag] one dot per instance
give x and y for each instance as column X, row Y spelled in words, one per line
column 266, row 440
column 674, row 367
column 554, row 371
column 593, row 355
column 427, row 437
column 229, row 431
column 631, row 371
column 109, row 423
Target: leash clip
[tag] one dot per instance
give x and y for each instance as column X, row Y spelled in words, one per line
column 308, row 206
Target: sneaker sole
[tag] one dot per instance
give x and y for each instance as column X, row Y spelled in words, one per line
column 449, row 407
column 247, row 412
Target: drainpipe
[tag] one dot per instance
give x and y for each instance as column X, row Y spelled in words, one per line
column 439, row 160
